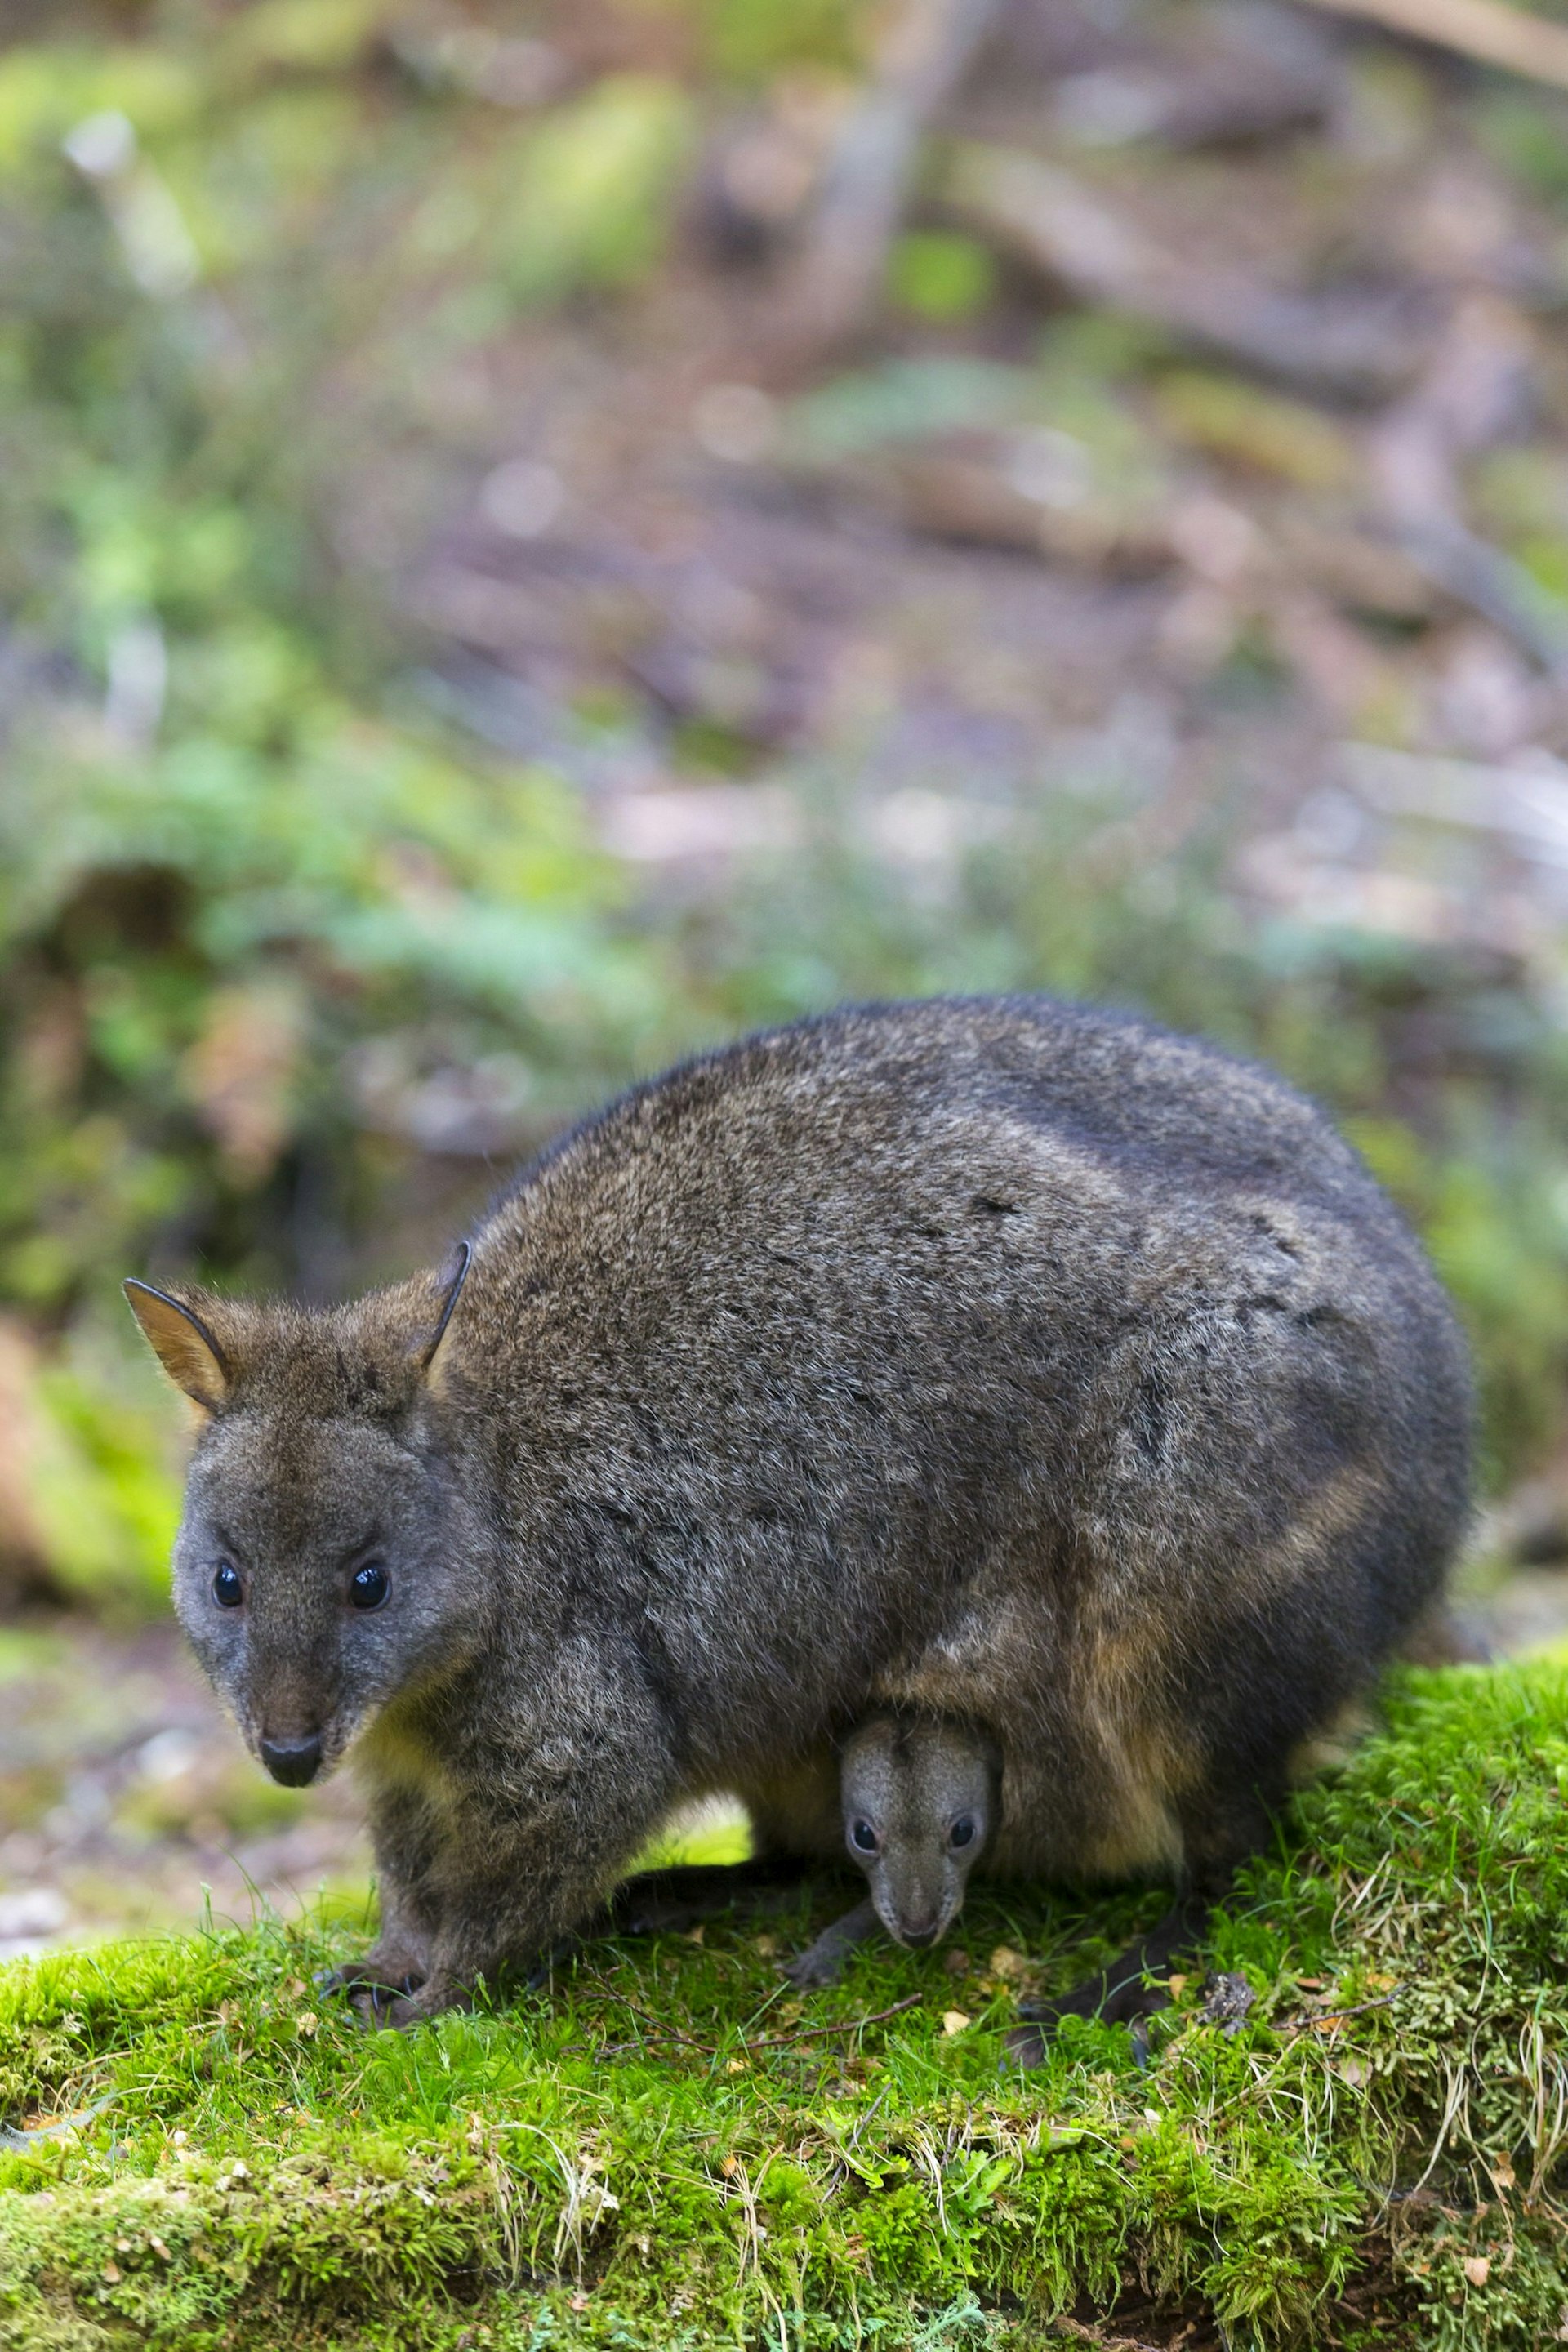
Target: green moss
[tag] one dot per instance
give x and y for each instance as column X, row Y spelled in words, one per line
column 665, row 2148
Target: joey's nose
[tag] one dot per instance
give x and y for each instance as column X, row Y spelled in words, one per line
column 920, row 1932
column 292, row 1761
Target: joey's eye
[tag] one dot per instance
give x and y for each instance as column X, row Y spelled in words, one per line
column 863, row 1837
column 369, row 1586
column 961, row 1834
column 227, row 1589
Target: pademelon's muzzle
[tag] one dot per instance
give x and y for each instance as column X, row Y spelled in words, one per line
column 918, row 1935
column 294, row 1762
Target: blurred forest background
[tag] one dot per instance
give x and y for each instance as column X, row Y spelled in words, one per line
column 535, row 537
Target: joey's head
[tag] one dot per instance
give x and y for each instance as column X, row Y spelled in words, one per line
column 321, row 1568
column 919, row 1796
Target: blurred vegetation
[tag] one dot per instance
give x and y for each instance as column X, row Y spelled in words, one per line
column 255, row 883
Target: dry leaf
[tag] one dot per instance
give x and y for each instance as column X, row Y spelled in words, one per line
column 111, row 2271
column 954, row 2020
column 1006, row 1962
column 1478, row 2270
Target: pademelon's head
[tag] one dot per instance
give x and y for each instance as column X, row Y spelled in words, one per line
column 322, row 1567
column 919, row 1797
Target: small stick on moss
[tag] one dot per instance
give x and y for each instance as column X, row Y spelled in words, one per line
column 843, row 2025
column 661, row 2033
column 771, row 2042
column 1338, row 2016
column 1062, row 2325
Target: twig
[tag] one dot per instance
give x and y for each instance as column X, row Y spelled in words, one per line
column 1085, row 2335
column 770, row 2042
column 1487, row 30
column 845, row 2025
column 1338, row 2016
column 662, row 2033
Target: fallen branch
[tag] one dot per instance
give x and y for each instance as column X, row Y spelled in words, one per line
column 837, row 277
column 1347, row 345
column 1471, row 397
column 1486, row 30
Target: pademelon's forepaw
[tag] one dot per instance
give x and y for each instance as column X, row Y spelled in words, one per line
column 394, row 1970
column 381, row 2007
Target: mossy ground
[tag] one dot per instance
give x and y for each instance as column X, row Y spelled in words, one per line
column 666, row 2147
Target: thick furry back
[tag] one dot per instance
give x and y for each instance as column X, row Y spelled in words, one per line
column 995, row 1356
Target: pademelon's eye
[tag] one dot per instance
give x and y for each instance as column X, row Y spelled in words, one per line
column 863, row 1837
column 227, row 1589
column 961, row 1834
column 369, row 1586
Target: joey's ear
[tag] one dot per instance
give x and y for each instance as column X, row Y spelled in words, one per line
column 430, row 1340
column 189, row 1353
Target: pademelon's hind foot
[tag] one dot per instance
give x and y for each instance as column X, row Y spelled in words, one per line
column 657, row 1901
column 1132, row 1987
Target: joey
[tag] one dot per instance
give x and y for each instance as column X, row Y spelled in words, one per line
column 920, row 1798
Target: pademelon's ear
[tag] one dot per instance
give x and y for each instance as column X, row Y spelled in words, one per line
column 188, row 1352
column 430, row 1339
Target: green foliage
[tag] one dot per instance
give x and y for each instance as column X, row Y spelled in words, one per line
column 593, row 189
column 661, row 2147
column 1527, row 131
column 1497, row 1225
column 105, row 1498
column 937, row 275
column 747, row 41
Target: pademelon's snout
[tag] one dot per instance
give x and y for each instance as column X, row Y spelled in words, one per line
column 294, row 1762
column 915, row 1925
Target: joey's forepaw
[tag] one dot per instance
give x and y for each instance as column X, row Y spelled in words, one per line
column 810, row 1968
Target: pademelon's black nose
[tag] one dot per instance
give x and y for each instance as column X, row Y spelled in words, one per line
column 292, row 1761
column 921, row 1935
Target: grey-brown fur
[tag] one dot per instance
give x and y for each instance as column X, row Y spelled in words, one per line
column 1007, row 1361
column 919, row 1797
